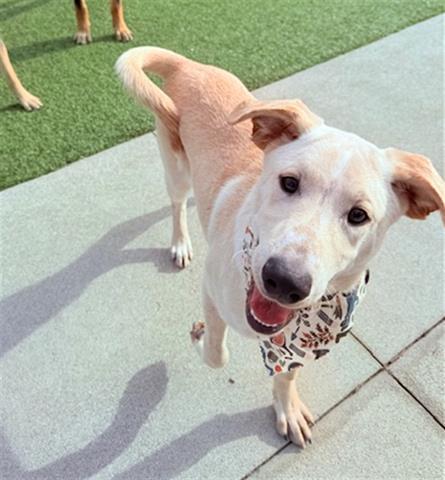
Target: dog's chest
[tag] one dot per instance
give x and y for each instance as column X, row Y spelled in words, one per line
column 224, row 282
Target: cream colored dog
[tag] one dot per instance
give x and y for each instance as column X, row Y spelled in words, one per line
column 320, row 200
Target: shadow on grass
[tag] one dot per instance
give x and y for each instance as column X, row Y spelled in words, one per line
column 37, row 49
column 142, row 394
column 13, row 108
column 25, row 311
column 13, row 8
column 10, row 3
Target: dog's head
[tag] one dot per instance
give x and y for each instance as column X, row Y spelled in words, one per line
column 322, row 205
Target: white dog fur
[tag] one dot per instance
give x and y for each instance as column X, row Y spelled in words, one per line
column 232, row 149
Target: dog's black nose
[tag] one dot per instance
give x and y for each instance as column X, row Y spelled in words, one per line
column 283, row 285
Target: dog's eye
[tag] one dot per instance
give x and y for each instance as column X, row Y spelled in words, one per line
column 357, row 216
column 289, row 184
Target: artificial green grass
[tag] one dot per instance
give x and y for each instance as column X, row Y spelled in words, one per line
column 85, row 110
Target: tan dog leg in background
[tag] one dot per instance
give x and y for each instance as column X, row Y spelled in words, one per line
column 123, row 33
column 26, row 99
column 83, row 34
column 293, row 418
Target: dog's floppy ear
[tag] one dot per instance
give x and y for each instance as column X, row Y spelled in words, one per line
column 275, row 122
column 417, row 183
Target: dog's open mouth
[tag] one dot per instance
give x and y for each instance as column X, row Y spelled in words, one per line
column 265, row 316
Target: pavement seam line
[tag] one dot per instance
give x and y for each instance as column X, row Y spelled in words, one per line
column 323, row 415
column 383, row 368
column 399, row 382
column 404, row 349
column 423, row 335
column 396, row 357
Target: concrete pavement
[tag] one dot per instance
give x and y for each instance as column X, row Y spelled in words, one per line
column 98, row 378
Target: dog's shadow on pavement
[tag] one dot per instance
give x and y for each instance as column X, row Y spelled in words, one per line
column 178, row 456
column 142, row 394
column 24, row 311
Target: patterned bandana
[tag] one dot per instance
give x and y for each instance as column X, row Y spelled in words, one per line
column 312, row 331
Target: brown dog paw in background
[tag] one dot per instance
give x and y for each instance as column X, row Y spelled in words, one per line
column 83, row 34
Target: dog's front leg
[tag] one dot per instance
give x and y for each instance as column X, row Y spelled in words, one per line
column 26, row 99
column 209, row 338
column 123, row 33
column 83, row 34
column 293, row 418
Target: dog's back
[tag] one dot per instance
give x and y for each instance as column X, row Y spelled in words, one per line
column 194, row 106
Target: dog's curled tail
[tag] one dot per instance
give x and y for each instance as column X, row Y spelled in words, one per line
column 131, row 67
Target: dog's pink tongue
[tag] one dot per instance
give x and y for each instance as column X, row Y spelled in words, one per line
column 266, row 311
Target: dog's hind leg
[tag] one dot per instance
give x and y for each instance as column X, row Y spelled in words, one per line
column 209, row 338
column 83, row 34
column 178, row 182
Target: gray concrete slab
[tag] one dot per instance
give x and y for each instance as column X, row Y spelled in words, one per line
column 422, row 370
column 98, row 377
column 380, row 432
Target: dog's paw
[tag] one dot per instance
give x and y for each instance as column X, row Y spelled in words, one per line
column 197, row 332
column 82, row 37
column 28, row 101
column 123, row 34
column 182, row 253
column 293, row 419
column 197, row 338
